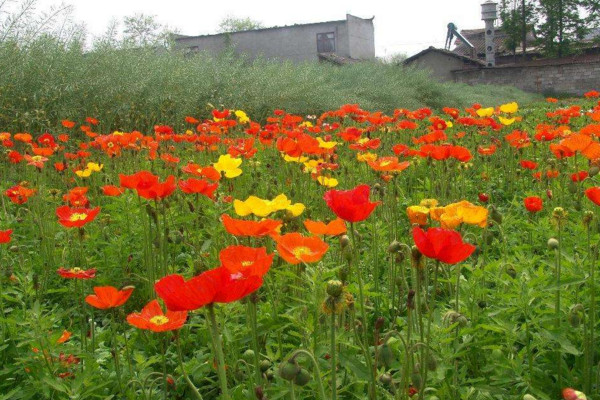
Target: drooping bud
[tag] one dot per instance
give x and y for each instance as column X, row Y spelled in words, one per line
column 552, row 244
column 394, row 247
column 576, row 315
column 289, row 370
column 302, row 378
column 344, row 241
column 335, row 288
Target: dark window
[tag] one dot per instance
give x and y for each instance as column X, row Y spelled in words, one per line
column 326, row 42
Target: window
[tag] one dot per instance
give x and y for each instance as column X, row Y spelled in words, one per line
column 326, row 42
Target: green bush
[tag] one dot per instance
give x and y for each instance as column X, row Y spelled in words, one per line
column 46, row 81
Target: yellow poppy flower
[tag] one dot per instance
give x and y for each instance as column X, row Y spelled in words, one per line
column 509, row 108
column 485, row 112
column 300, row 159
column 365, row 157
column 326, row 145
column 94, row 167
column 295, row 209
column 506, row 121
column 327, row 182
column 417, row 214
column 242, row 117
column 228, row 165
column 84, row 173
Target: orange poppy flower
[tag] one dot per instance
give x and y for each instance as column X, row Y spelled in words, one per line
column 108, row 297
column 295, row 248
column 389, row 164
column 154, row 319
column 240, row 227
column 334, row 228
column 238, row 258
column 201, row 186
column 19, row 194
column 75, row 217
column 207, row 172
column 111, row 190
column 66, row 335
column 77, row 273
column 67, row 124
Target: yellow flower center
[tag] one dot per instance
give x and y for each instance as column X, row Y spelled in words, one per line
column 300, row 251
column 247, row 263
column 77, row 217
column 75, row 270
column 385, row 163
column 36, row 158
column 159, row 320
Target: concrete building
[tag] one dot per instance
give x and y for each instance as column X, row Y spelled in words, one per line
column 344, row 40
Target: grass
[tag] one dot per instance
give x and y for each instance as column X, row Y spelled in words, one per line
column 47, row 80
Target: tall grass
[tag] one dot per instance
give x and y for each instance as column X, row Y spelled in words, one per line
column 48, row 80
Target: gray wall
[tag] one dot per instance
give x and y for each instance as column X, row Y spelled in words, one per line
column 572, row 78
column 354, row 38
column 441, row 66
column 361, row 37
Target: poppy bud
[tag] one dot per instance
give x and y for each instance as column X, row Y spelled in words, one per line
column 343, row 273
column 347, row 253
column 379, row 323
column 495, row 215
column 334, row 288
column 552, row 244
column 572, row 394
column 410, row 300
column 386, row 379
column 483, row 197
column 416, row 256
column 394, row 247
column 529, row 397
column 549, row 194
column 416, row 378
column 593, row 171
column 573, row 187
column 302, row 378
column 576, row 315
column 431, row 362
column 248, row 355
column 264, row 365
column 511, row 271
column 289, row 370
column 344, row 241
column 260, row 394
column 588, row 216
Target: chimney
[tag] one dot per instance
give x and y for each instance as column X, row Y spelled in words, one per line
column 489, row 15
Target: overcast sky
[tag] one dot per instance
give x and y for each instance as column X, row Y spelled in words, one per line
column 401, row 26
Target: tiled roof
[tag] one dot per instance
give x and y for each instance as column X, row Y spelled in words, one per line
column 477, row 39
column 464, row 58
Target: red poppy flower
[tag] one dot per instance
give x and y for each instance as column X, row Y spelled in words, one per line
column 528, row 164
column 108, row 297
column 201, row 186
column 295, row 248
column 67, row 124
column 19, row 194
column 217, row 285
column 572, row 394
column 593, row 194
column 334, row 228
column 153, row 319
column 351, row 205
column 579, row 176
column 111, row 190
column 240, row 227
column 220, row 114
column 158, row 190
column 5, row 236
column 207, row 172
column 238, row 258
column 444, row 245
column 77, row 273
column 141, row 179
column 75, row 217
column 483, row 197
column 533, row 204
column 76, row 197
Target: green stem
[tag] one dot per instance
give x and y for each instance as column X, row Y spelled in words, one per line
column 216, row 338
column 333, row 362
column 253, row 325
column 115, row 350
column 557, row 307
column 317, row 370
column 163, row 346
column 363, row 314
column 183, row 372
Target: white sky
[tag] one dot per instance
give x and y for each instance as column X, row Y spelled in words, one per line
column 406, row 26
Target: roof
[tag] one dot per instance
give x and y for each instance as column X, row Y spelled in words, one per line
column 183, row 37
column 337, row 59
column 477, row 39
column 463, row 58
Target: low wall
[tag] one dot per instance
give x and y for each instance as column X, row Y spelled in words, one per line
column 569, row 77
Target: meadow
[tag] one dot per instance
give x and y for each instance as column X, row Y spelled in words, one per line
column 424, row 253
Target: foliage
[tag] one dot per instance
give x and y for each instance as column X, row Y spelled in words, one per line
column 231, row 24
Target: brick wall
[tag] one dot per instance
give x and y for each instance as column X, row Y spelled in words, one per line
column 569, row 77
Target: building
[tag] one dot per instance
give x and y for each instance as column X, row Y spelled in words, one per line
column 480, row 56
column 346, row 40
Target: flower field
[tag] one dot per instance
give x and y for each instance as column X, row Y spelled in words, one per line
column 423, row 254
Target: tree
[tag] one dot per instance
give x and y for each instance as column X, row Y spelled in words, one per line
column 517, row 20
column 561, row 25
column 141, row 30
column 233, row 24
